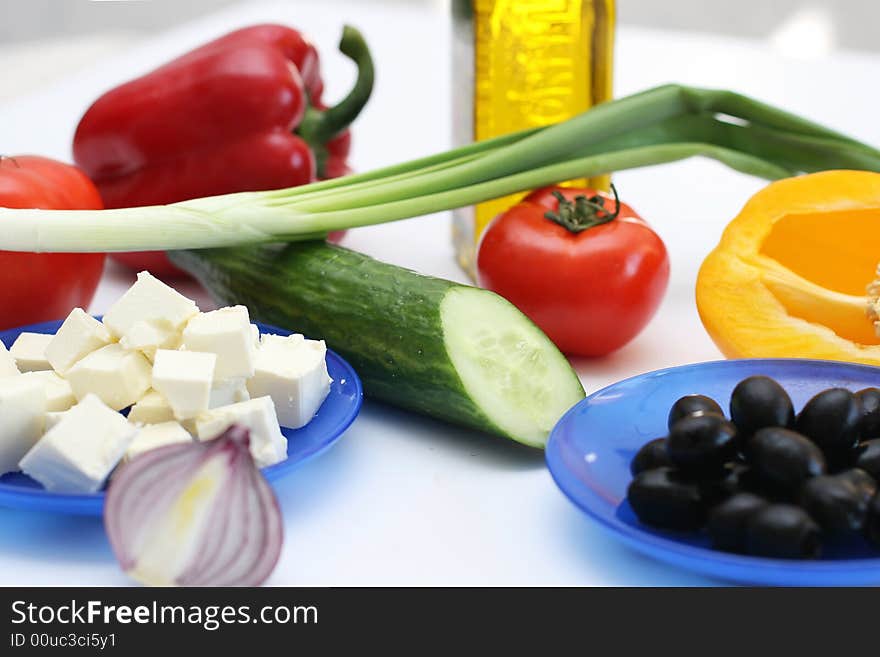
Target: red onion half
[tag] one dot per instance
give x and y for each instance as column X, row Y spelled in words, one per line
column 195, row 514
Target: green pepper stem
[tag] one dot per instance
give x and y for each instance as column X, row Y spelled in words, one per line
column 320, row 126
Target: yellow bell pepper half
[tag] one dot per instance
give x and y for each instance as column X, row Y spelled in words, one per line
column 794, row 273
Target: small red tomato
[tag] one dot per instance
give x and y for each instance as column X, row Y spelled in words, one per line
column 583, row 266
column 36, row 287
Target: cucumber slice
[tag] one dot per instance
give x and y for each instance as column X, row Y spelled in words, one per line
column 508, row 367
column 450, row 351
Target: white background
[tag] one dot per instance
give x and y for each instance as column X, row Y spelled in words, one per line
column 401, row 499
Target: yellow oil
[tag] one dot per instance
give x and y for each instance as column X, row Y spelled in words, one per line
column 534, row 62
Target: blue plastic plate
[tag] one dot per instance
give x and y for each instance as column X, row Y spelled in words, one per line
column 590, row 449
column 335, row 415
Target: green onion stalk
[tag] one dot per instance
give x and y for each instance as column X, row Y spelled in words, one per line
column 663, row 124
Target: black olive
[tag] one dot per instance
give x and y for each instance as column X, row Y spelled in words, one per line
column 784, row 458
column 872, row 523
column 692, row 405
column 782, row 531
column 701, row 443
column 752, row 482
column 727, row 521
column 831, row 420
column 662, row 498
column 869, row 405
column 868, row 457
column 652, row 455
column 835, row 503
column 733, row 478
column 758, row 402
column 863, row 482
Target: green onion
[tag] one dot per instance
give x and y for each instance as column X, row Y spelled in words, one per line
column 660, row 125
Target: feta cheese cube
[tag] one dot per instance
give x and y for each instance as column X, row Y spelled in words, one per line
column 226, row 332
column 293, row 372
column 152, row 408
column 53, row 418
column 147, row 336
column 184, row 379
column 29, row 351
column 59, row 394
column 78, row 453
column 268, row 444
column 149, row 299
column 156, row 435
column 22, row 417
column 228, row 391
column 117, row 376
column 7, row 362
column 79, row 335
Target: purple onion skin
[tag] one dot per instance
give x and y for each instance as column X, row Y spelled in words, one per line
column 242, row 539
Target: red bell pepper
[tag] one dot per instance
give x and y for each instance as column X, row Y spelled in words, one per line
column 36, row 287
column 241, row 113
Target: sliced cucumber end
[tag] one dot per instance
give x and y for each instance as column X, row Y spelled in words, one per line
column 509, row 368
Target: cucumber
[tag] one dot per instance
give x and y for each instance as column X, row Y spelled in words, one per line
column 447, row 350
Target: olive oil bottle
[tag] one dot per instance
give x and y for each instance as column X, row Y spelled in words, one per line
column 519, row 64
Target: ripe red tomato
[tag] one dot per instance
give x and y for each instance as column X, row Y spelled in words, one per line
column 36, row 287
column 593, row 284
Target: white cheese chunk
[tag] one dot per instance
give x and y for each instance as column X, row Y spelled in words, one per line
column 79, row 335
column 268, row 444
column 156, row 435
column 152, row 408
column 147, row 336
column 293, row 372
column 117, row 376
column 227, row 333
column 78, row 453
column 22, row 418
column 228, row 391
column 149, row 299
column 53, row 418
column 184, row 378
column 7, row 362
column 29, row 351
column 59, row 394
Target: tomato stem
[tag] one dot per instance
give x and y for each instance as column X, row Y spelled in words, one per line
column 584, row 212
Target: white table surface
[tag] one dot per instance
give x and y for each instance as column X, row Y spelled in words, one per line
column 403, row 500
